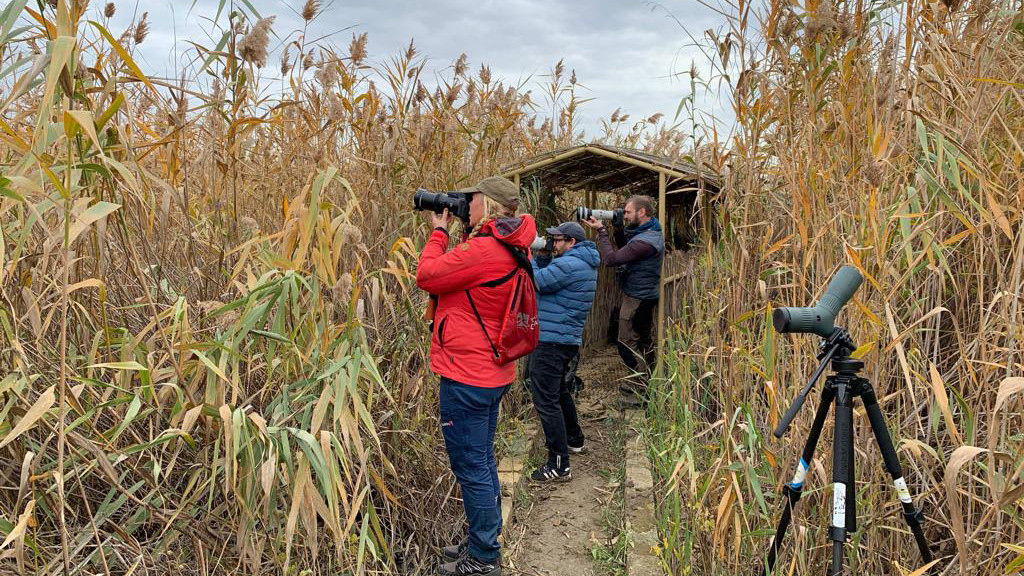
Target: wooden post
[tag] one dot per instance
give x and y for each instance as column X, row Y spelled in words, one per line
column 591, row 200
column 662, row 210
column 598, row 323
column 705, row 211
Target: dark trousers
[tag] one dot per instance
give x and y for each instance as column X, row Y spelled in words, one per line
column 636, row 321
column 552, row 396
column 469, row 420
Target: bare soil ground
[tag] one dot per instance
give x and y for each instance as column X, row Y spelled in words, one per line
column 558, row 526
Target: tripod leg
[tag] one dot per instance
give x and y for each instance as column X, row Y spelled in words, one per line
column 851, row 497
column 841, row 479
column 794, row 489
column 911, row 514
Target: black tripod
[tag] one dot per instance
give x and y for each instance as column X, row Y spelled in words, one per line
column 842, row 387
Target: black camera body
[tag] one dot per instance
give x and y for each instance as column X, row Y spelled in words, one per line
column 616, row 216
column 457, row 203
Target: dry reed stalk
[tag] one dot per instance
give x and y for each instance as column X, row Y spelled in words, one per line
column 225, row 295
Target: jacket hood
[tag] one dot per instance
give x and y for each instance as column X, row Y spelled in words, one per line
column 651, row 224
column 516, row 231
column 585, row 251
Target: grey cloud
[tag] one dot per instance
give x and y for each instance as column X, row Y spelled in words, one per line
column 624, row 51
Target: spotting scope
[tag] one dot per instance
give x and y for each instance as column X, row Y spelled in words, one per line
column 820, row 318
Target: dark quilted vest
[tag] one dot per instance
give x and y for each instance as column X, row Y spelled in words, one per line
column 642, row 279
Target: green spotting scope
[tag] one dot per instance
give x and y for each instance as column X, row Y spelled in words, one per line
column 820, row 319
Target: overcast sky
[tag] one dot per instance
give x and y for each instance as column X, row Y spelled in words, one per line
column 628, row 53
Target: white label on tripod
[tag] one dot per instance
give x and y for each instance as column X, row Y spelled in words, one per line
column 801, row 474
column 839, row 505
column 902, row 490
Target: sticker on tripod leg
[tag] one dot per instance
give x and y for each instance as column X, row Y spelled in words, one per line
column 902, row 490
column 801, row 474
column 839, row 505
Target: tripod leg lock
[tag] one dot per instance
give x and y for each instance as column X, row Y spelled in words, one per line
column 792, row 494
column 914, row 515
column 837, row 534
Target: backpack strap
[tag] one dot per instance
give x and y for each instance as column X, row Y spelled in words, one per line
column 499, row 281
column 480, row 321
column 522, row 262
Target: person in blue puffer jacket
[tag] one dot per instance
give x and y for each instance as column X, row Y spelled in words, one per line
column 566, row 286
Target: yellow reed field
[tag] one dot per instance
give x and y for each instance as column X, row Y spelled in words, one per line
column 889, row 137
column 212, row 358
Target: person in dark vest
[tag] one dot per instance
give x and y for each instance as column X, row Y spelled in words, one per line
column 638, row 261
column 566, row 285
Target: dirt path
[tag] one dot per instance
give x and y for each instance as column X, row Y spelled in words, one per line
column 568, row 528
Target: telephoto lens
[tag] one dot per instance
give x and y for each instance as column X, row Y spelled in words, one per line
column 457, row 203
column 584, row 213
column 539, row 243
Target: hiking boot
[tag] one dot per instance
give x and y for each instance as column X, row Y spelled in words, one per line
column 456, row 551
column 581, row 449
column 470, row 566
column 549, row 473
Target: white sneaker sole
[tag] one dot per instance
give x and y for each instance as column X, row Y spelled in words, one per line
column 565, row 478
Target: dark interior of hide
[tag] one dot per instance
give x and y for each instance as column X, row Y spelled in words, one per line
column 604, row 177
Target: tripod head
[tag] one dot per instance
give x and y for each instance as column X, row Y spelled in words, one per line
column 836, row 347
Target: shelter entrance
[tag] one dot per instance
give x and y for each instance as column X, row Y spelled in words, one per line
column 604, row 177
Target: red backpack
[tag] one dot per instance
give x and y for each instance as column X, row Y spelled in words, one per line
column 520, row 327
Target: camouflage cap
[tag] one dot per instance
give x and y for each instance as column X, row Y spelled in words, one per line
column 497, row 188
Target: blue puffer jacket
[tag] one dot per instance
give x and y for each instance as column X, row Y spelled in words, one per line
column 566, row 286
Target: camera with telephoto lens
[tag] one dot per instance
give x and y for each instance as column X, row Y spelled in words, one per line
column 457, row 203
column 616, row 216
column 541, row 243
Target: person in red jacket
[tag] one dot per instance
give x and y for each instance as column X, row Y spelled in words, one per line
column 472, row 381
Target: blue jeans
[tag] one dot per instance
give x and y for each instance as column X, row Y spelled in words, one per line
column 469, row 420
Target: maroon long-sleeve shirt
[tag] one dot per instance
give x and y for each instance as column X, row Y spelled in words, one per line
column 629, row 252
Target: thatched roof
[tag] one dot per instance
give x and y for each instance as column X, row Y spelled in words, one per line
column 611, row 168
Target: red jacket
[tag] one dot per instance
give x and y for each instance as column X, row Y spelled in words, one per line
column 459, row 348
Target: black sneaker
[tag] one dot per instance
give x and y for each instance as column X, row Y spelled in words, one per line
column 634, row 388
column 581, row 449
column 631, row 402
column 549, row 473
column 456, row 551
column 470, row 566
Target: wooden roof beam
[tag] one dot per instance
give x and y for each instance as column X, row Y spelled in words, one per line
column 641, row 164
column 594, row 180
column 599, row 152
column 546, row 162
